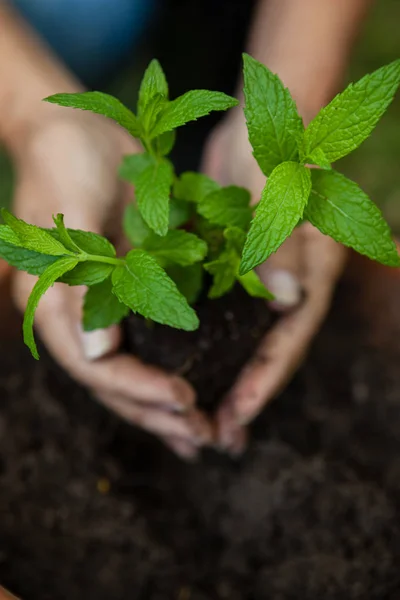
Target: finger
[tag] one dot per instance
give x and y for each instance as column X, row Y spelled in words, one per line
column 185, row 449
column 58, row 321
column 192, row 427
column 284, row 347
column 231, row 436
column 5, row 595
column 282, row 273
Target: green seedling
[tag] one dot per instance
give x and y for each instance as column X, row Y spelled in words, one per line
column 181, row 226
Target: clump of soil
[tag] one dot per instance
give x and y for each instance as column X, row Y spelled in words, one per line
column 210, row 357
column 92, row 508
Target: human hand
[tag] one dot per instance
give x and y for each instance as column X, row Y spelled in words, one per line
column 68, row 165
column 302, row 276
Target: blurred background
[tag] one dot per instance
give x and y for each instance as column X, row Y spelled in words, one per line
column 375, row 166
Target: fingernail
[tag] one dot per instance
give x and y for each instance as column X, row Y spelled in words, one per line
column 285, row 287
column 97, row 344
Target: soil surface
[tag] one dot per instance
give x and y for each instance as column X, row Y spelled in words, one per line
column 90, row 508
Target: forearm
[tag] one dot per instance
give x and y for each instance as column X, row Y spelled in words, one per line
column 307, row 42
column 28, row 73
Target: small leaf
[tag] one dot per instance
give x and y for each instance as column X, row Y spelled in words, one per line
column 274, row 125
column 229, row 206
column 179, row 213
column 153, row 84
column 224, row 271
column 339, row 208
column 24, row 260
column 150, row 114
column 194, row 187
column 165, row 142
column 281, row 207
column 145, row 287
column 253, row 286
column 152, row 191
column 188, row 280
column 45, row 281
column 102, row 104
column 87, row 273
column 235, row 238
column 178, row 247
column 133, row 165
column 88, row 242
column 135, row 228
column 101, row 307
column 190, row 107
column 63, row 234
column 348, row 120
column 34, row 238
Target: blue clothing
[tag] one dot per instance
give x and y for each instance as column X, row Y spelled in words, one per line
column 90, row 36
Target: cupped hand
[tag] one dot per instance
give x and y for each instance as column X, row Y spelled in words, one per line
column 69, row 165
column 302, row 276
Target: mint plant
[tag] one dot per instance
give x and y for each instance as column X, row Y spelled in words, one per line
column 181, row 226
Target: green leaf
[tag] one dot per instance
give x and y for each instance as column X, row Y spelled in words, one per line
column 64, row 235
column 194, row 187
column 178, row 246
column 101, row 308
column 153, row 84
column 135, row 228
column 229, row 206
column 235, row 238
column 274, row 125
column 102, row 104
column 348, row 120
column 339, row 208
column 145, row 287
column 133, row 165
column 253, row 286
column 45, row 281
column 190, row 107
column 281, row 207
column 165, row 142
column 224, row 271
column 87, row 273
column 179, row 213
column 150, row 113
column 152, row 191
column 24, row 260
column 188, row 280
column 32, row 237
column 88, row 242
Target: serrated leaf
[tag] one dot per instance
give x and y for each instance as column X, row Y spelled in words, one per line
column 151, row 112
column 45, row 281
column 33, row 263
column 194, row 187
column 178, row 246
column 254, row 286
column 274, row 125
column 190, row 107
column 32, row 237
column 349, row 119
column 101, row 308
column 133, row 165
column 153, row 83
column 229, row 206
column 145, row 287
column 188, row 280
column 224, row 271
column 179, row 213
column 102, row 104
column 339, row 208
column 88, row 242
column 281, row 206
column 87, row 273
column 135, row 228
column 152, row 191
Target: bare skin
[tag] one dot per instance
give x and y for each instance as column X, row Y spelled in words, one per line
column 66, row 162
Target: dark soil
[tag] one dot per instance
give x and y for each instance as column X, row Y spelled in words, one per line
column 90, row 508
column 211, row 357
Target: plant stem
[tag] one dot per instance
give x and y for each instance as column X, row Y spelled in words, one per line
column 117, row 262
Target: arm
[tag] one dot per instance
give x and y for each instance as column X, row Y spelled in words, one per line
column 307, row 42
